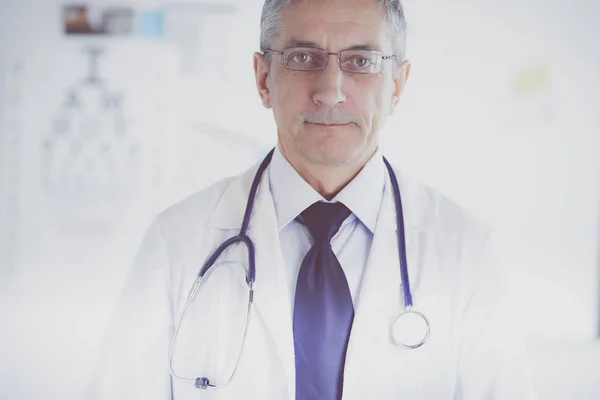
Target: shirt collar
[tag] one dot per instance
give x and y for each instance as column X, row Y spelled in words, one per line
column 363, row 195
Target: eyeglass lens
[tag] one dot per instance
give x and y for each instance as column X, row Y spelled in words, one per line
column 312, row 59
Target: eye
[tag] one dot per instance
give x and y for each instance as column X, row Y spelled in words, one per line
column 301, row 57
column 360, row 61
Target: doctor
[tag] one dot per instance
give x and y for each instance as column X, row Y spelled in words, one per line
column 324, row 256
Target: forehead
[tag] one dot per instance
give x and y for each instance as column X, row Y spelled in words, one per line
column 335, row 24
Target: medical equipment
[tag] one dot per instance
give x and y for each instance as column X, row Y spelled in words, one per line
column 410, row 328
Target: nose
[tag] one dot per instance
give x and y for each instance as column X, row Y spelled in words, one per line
column 329, row 85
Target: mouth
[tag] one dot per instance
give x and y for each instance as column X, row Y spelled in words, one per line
column 329, row 125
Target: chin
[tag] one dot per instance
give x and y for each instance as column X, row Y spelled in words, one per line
column 330, row 145
column 330, row 152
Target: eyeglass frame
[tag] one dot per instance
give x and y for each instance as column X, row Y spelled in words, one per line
column 339, row 58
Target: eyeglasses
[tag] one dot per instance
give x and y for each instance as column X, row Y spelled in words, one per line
column 361, row 61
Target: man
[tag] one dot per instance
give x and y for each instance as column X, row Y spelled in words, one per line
column 322, row 222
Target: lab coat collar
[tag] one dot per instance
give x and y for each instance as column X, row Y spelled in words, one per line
column 229, row 212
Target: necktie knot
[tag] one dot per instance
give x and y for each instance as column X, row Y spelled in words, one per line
column 324, row 220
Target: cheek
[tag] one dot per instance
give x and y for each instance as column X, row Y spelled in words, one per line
column 373, row 103
column 375, row 109
column 383, row 97
column 287, row 97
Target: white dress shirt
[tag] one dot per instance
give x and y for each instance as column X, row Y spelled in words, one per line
column 352, row 243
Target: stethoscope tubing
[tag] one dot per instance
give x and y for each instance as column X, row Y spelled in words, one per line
column 401, row 236
column 204, row 383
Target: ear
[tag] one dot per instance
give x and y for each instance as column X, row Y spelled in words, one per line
column 400, row 79
column 261, row 72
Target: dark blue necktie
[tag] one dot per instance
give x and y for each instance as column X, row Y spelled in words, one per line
column 323, row 310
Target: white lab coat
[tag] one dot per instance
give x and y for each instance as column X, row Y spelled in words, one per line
column 474, row 351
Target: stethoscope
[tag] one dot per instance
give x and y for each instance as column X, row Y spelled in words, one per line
column 410, row 329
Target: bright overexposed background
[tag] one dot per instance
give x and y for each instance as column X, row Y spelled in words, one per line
column 501, row 113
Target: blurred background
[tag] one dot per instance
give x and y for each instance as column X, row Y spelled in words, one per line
column 110, row 112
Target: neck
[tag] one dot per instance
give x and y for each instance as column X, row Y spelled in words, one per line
column 327, row 179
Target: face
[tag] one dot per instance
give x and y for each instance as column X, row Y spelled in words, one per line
column 330, row 116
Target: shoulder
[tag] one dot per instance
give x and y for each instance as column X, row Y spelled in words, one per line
column 194, row 215
column 433, row 211
column 460, row 239
column 196, row 208
column 185, row 226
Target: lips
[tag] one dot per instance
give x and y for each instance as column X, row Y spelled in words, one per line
column 328, row 125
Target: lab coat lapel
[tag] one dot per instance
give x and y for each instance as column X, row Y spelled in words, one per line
column 375, row 367
column 271, row 316
column 372, row 369
column 272, row 297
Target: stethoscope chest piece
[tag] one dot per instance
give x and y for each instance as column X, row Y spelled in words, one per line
column 410, row 329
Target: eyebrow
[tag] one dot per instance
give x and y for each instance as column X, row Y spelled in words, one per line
column 307, row 43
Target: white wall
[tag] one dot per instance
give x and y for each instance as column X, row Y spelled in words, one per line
column 499, row 113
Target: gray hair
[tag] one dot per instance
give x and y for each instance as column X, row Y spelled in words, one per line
column 271, row 23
